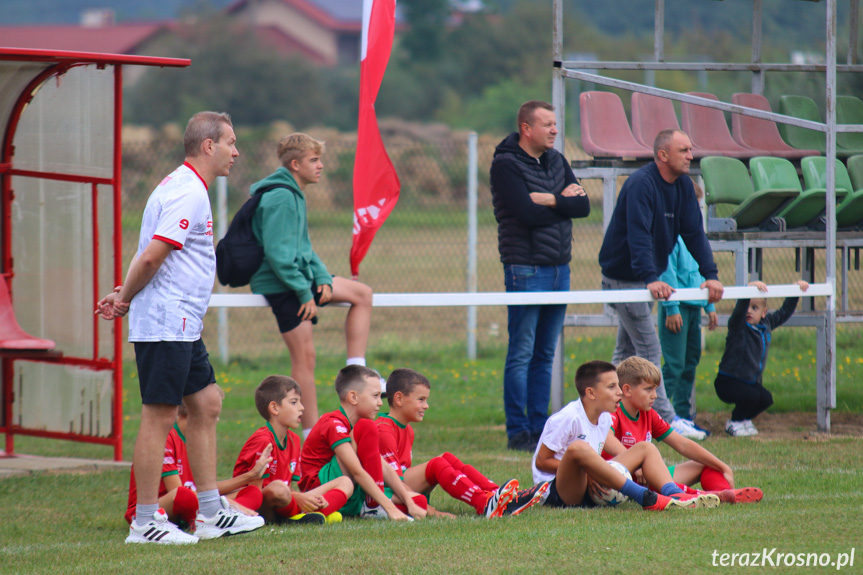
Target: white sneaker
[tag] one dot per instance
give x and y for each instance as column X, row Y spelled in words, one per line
column 159, row 530
column 228, row 521
column 736, row 429
column 376, row 512
column 685, row 428
column 750, row 427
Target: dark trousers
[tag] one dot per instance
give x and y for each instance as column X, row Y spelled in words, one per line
column 749, row 399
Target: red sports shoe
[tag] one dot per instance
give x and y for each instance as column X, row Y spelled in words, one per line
column 742, row 495
column 698, row 500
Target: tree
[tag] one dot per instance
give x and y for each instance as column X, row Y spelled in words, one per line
column 230, row 71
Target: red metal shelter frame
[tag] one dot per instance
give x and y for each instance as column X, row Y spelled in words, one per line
column 58, row 63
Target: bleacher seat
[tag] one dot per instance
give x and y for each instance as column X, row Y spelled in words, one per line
column 779, row 174
column 605, row 131
column 651, row 115
column 849, row 110
column 726, row 181
column 709, row 131
column 805, row 108
column 849, row 211
column 12, row 337
column 761, row 134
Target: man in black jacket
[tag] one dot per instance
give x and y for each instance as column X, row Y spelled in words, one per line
column 535, row 196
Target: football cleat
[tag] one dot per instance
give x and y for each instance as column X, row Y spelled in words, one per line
column 527, row 498
column 498, row 500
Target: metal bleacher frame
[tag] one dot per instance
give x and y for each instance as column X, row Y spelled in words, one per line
column 746, row 246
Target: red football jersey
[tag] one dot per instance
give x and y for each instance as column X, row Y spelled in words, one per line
column 644, row 426
column 396, row 443
column 331, row 430
column 174, row 462
column 286, row 455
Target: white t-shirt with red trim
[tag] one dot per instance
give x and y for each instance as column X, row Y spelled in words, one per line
column 172, row 305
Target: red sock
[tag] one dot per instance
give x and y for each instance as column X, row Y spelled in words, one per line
column 686, row 489
column 186, row 505
column 251, row 497
column 712, row 480
column 418, row 499
column 336, row 500
column 472, row 473
column 368, row 451
column 289, row 510
column 457, row 484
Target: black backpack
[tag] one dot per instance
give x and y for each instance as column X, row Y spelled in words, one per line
column 238, row 254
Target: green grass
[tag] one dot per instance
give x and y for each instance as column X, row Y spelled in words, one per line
column 72, row 523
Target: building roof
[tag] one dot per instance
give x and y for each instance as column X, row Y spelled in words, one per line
column 341, row 15
column 116, row 39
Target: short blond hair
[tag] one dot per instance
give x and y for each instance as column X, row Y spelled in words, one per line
column 633, row 370
column 295, row 146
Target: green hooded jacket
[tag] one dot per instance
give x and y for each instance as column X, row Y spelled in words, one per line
column 280, row 225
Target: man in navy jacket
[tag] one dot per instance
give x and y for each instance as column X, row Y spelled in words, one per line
column 656, row 204
column 535, row 196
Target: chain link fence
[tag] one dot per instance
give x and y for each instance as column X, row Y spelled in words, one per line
column 421, row 248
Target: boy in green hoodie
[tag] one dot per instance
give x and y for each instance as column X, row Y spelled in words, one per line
column 292, row 277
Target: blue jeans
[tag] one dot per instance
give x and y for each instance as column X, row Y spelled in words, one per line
column 533, row 333
column 636, row 335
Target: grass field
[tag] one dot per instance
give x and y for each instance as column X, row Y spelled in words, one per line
column 72, row 523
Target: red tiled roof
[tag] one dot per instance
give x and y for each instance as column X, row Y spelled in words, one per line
column 117, row 39
column 326, row 19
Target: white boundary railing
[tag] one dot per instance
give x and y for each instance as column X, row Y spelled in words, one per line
column 825, row 391
column 536, row 298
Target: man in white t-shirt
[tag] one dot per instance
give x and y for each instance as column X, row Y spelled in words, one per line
column 568, row 454
column 166, row 293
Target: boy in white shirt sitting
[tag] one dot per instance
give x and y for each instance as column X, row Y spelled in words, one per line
column 568, row 453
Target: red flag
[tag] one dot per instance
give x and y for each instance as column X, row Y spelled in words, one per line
column 376, row 185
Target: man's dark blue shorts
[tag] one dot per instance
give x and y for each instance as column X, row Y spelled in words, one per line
column 171, row 370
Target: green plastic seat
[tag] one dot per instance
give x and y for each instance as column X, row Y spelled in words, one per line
column 779, row 174
column 849, row 204
column 726, row 181
column 849, row 110
column 806, row 109
column 853, row 211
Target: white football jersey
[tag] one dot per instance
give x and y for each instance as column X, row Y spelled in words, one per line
column 568, row 425
column 172, row 305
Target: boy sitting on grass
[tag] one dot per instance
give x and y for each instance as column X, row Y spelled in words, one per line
column 739, row 380
column 568, row 453
column 277, row 399
column 635, row 421
column 345, row 442
column 177, row 494
column 407, row 394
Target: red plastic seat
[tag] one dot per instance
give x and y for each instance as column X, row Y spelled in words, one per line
column 651, row 115
column 605, row 132
column 709, row 132
column 761, row 134
column 12, row 337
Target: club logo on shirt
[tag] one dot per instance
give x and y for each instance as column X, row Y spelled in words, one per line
column 599, row 449
column 628, row 440
column 184, row 224
column 648, row 437
column 293, row 467
column 209, row 231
